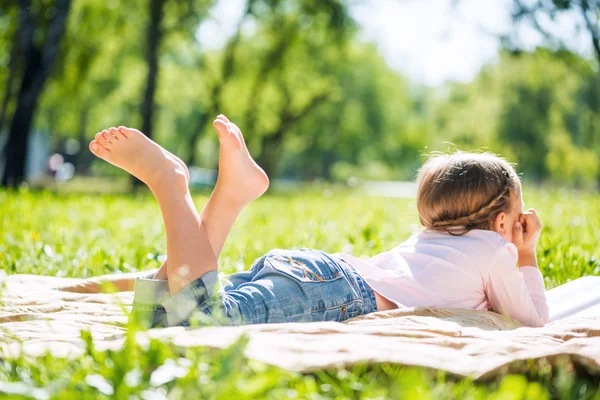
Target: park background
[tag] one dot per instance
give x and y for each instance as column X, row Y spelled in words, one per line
column 322, row 89
column 337, row 100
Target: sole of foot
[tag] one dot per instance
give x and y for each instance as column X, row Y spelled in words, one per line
column 131, row 150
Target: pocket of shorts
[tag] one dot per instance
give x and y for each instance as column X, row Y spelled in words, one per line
column 338, row 313
column 310, row 268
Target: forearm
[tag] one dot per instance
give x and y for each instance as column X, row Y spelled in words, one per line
column 527, row 259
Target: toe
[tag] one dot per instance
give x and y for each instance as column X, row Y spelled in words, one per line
column 222, row 129
column 128, row 132
column 123, row 131
column 237, row 133
column 114, row 133
column 96, row 148
column 233, row 128
column 227, row 135
column 103, row 139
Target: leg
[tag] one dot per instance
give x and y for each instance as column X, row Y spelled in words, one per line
column 188, row 247
column 187, row 243
column 237, row 170
column 240, row 181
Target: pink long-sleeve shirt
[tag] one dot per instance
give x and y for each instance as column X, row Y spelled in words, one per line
column 476, row 271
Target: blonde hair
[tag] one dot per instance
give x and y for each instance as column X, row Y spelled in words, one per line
column 464, row 191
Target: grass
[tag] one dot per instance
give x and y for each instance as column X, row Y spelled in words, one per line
column 89, row 235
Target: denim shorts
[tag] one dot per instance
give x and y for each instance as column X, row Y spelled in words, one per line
column 282, row 286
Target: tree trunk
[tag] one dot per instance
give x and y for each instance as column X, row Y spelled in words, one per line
column 82, row 157
column 38, row 64
column 329, row 160
column 11, row 79
column 154, row 36
column 154, row 33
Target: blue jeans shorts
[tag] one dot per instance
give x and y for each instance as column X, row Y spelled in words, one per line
column 282, row 286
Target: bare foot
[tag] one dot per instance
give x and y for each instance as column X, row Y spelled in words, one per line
column 240, row 178
column 134, row 152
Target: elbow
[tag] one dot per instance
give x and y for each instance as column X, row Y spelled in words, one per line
column 538, row 323
column 542, row 318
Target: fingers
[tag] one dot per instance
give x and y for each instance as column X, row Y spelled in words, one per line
column 531, row 220
column 535, row 217
column 523, row 218
column 517, row 237
column 526, row 231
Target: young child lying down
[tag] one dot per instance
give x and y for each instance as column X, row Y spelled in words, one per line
column 476, row 234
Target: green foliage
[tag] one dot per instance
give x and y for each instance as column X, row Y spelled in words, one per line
column 368, row 130
column 567, row 164
column 89, row 235
column 538, row 109
column 313, row 100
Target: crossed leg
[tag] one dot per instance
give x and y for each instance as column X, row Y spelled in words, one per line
column 240, row 181
column 192, row 250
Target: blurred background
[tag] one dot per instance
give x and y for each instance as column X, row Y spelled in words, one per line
column 338, row 90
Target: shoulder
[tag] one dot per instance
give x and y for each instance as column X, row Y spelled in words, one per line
column 490, row 238
column 504, row 253
column 481, row 246
column 478, row 239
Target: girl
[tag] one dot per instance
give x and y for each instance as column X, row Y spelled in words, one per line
column 476, row 234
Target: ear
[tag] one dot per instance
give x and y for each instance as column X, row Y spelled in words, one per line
column 500, row 223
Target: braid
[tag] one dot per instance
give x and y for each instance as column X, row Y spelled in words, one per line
column 464, row 191
column 479, row 219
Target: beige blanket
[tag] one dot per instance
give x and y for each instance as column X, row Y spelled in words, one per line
column 35, row 317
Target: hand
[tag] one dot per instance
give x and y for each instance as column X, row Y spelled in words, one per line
column 526, row 233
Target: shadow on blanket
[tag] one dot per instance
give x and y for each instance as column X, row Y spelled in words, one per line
column 37, row 317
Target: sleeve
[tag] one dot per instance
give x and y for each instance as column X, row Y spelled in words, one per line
column 516, row 292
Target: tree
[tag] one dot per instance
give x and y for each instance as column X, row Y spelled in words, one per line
column 536, row 108
column 154, row 37
column 14, row 58
column 38, row 61
column 542, row 14
column 282, row 26
column 369, row 127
